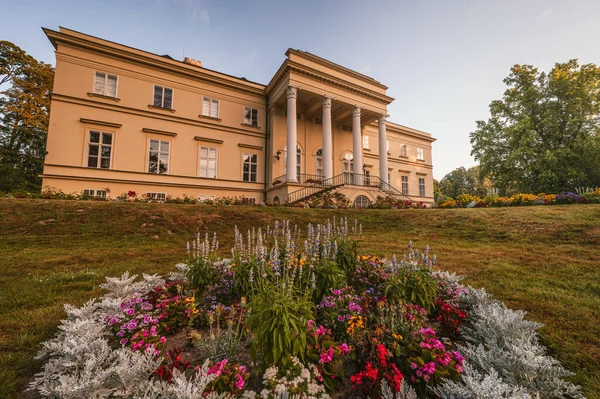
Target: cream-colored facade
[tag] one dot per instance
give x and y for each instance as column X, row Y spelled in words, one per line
column 125, row 120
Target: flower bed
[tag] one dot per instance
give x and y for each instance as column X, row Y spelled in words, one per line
column 470, row 201
column 307, row 317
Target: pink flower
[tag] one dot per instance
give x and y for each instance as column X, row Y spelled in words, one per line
column 414, row 365
column 429, row 368
column 459, row 358
column 321, row 331
column 327, row 356
column 242, row 369
column 427, row 331
column 344, row 348
column 311, row 324
column 123, row 341
column 336, row 292
column 239, row 383
column 163, row 339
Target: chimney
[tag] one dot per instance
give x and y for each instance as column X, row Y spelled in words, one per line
column 193, row 62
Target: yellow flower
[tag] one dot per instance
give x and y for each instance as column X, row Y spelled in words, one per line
column 397, row 337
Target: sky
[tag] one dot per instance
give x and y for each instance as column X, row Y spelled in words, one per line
column 444, row 61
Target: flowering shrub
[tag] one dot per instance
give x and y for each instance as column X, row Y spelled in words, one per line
column 336, row 310
column 390, row 202
column 469, row 201
column 369, row 380
column 391, row 329
column 430, row 361
column 298, row 380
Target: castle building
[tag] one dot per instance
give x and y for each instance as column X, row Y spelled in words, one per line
column 124, row 119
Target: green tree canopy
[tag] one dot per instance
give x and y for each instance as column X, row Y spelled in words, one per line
column 463, row 181
column 543, row 135
column 24, row 113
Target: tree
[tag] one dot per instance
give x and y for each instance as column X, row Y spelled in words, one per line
column 543, row 135
column 24, row 115
column 463, row 181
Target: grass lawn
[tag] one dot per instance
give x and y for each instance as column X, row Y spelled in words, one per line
column 543, row 259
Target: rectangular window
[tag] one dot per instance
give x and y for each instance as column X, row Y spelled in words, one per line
column 367, row 178
column 250, row 167
column 95, row 193
column 420, row 155
column 405, row 185
column 105, row 84
column 163, row 97
column 421, row 187
column 208, row 162
column 99, row 149
column 250, row 116
column 366, row 142
column 162, row 197
column 158, row 159
column 346, row 128
column 403, row 150
column 210, row 107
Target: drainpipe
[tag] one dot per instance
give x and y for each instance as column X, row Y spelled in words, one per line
column 267, row 136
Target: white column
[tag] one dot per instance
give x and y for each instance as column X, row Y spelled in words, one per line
column 383, row 160
column 327, row 139
column 290, row 174
column 357, row 145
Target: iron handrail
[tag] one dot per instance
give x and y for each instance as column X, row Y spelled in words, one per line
column 345, row 179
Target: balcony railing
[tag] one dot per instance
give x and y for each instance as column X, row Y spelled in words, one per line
column 303, row 178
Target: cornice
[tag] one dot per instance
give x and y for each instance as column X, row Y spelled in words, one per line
column 291, row 66
column 152, row 61
column 337, row 67
column 155, row 115
column 149, row 182
column 209, row 91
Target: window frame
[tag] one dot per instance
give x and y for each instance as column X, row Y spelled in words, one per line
column 319, row 159
column 95, row 193
column 420, row 154
column 362, row 198
column 210, row 101
column 158, row 159
column 404, row 150
column 100, row 145
column 163, row 97
column 250, row 155
column 200, row 147
column 106, row 75
column 403, row 181
column 365, row 142
column 246, row 108
column 421, row 187
column 153, row 196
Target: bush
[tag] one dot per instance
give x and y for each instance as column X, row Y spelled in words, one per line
column 412, row 286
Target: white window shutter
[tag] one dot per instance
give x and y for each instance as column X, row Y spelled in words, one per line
column 366, row 142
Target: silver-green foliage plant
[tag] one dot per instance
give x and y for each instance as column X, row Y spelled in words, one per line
column 502, row 348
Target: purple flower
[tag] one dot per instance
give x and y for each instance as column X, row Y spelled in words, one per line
column 336, row 292
column 124, row 341
column 341, row 318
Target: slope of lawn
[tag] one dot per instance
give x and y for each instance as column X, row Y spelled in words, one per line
column 543, row 259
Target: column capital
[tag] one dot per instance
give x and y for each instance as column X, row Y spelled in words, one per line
column 382, row 118
column 292, row 92
column 356, row 111
column 327, row 102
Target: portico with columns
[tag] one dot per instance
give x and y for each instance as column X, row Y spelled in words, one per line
column 318, row 112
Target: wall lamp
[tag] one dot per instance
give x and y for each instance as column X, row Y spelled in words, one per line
column 278, row 155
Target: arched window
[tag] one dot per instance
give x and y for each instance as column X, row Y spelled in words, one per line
column 319, row 163
column 298, row 164
column 362, row 202
column 276, row 201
